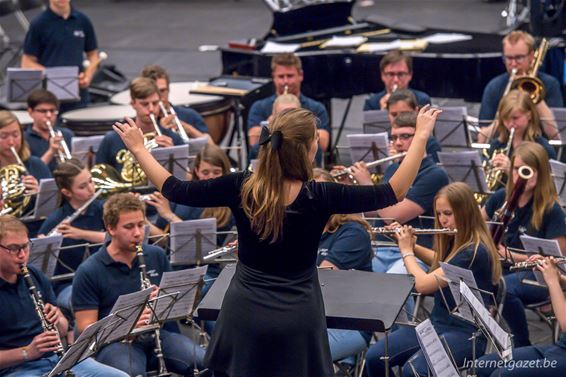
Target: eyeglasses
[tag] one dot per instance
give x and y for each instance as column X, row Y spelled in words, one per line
column 45, row 111
column 517, row 58
column 15, row 249
column 402, row 137
column 401, row 75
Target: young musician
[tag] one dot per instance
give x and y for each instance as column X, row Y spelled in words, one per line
column 145, row 101
column 26, row 348
column 43, row 108
column 272, row 318
column 191, row 120
column 517, row 111
column 471, row 248
column 114, row 271
column 538, row 214
column 345, row 244
column 396, row 70
column 287, row 72
column 543, row 360
column 518, row 53
column 77, row 190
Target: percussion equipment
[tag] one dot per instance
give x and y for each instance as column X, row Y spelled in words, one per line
column 97, row 120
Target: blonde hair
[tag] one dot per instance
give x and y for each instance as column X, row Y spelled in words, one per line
column 472, row 229
column 516, row 100
column 518, row 35
column 215, row 156
column 142, row 87
column 287, row 59
column 263, row 193
column 286, row 99
column 9, row 223
column 544, row 195
column 6, row 119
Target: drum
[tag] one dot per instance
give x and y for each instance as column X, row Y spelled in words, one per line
column 97, row 120
column 23, row 117
column 216, row 110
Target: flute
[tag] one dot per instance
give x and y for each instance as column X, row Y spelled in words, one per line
column 220, row 252
column 372, row 164
column 523, row 266
column 77, row 213
column 417, row 231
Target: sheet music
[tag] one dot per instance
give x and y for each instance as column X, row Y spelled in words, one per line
column 185, row 236
column 277, row 48
column 47, row 198
column 456, row 274
column 451, row 129
column 63, row 82
column 379, row 46
column 127, row 310
column 183, row 284
column 376, row 121
column 534, row 245
column 440, row 38
column 369, row 147
column 196, row 144
column 436, row 356
column 558, row 175
column 175, row 159
column 82, row 146
column 459, row 167
column 344, row 41
column 44, row 253
column 496, row 332
column 21, row 82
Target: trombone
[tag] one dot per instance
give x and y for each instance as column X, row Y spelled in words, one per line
column 530, row 83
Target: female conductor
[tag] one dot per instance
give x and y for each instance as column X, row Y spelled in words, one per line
column 272, row 318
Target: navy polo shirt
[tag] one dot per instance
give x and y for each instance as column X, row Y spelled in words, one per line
column 91, row 219
column 432, row 148
column 111, row 144
column 430, row 179
column 20, row 322
column 348, row 248
column 496, row 87
column 190, row 116
column 37, row 168
column 100, row 280
column 38, row 145
column 262, row 109
column 478, row 261
column 372, row 103
column 56, row 41
column 553, row 222
column 497, row 144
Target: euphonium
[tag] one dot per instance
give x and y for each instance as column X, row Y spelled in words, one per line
column 530, row 83
column 13, row 189
column 493, row 175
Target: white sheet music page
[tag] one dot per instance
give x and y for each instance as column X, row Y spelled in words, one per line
column 44, row 253
column 456, row 274
column 458, row 165
column 47, row 198
column 277, row 48
column 440, row 38
column 534, row 245
column 558, row 175
column 369, row 147
column 436, row 356
column 187, row 236
column 344, row 41
column 497, row 333
column 81, row 146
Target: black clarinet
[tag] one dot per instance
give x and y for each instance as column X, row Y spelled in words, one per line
column 145, row 283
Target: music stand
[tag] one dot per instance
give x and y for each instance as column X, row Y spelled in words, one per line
column 20, row 82
column 63, row 82
column 190, row 239
column 175, row 159
column 434, row 351
column 196, row 144
column 559, row 177
column 369, row 147
column 464, row 166
column 376, row 121
column 44, row 253
column 85, row 148
column 46, row 201
column 560, row 119
column 544, row 247
column 451, row 128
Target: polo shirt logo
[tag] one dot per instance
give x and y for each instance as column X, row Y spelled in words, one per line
column 79, row 33
column 153, row 273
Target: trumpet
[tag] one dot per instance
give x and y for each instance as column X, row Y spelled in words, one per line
column 524, row 266
column 372, row 164
column 77, row 213
column 64, row 153
column 219, row 252
column 416, row 231
column 494, row 176
column 155, row 125
column 180, row 128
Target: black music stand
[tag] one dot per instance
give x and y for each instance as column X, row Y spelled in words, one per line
column 20, row 82
column 559, row 176
column 46, row 201
column 368, row 148
column 85, row 148
column 189, row 238
column 376, row 121
column 44, row 254
column 451, row 128
column 464, row 166
column 174, row 159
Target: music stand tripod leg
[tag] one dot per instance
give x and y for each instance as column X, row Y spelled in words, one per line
column 342, row 125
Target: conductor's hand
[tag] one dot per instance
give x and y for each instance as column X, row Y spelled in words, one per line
column 131, row 135
column 47, row 341
column 406, row 239
column 426, row 119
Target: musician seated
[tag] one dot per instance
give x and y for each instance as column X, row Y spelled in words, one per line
column 550, row 359
column 113, row 271
column 404, row 101
column 518, row 53
column 43, row 107
column 538, row 214
column 418, row 201
column 517, row 111
column 287, row 74
column 76, row 189
column 473, row 249
column 145, row 101
column 344, row 245
column 396, row 70
column 26, row 348
column 192, row 121
column 211, row 162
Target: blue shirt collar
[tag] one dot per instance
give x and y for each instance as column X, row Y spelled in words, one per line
column 52, row 14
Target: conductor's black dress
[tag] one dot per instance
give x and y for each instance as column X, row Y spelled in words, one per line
column 272, row 321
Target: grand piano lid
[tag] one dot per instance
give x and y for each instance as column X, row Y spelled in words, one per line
column 300, row 16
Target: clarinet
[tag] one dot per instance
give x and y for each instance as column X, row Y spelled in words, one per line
column 145, row 283
column 40, row 310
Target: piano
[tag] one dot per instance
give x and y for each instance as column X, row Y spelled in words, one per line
column 458, row 69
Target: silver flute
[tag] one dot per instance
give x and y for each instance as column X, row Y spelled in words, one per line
column 348, row 171
column 417, row 231
column 180, row 128
column 220, row 252
column 526, row 265
column 78, row 212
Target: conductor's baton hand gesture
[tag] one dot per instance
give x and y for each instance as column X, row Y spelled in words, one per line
column 131, row 135
column 426, row 119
